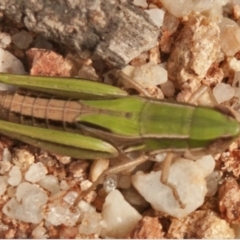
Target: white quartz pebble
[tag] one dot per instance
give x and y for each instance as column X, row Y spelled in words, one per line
column 189, row 179
column 58, row 215
column 28, row 204
column 9, row 63
column 15, row 176
column 150, row 75
column 207, row 163
column 50, row 183
column 6, row 155
column 223, row 92
column 36, row 172
column 70, row 197
column 97, row 168
column 91, row 224
column 156, row 15
column 5, row 39
column 184, row 7
column 119, row 217
column 230, row 36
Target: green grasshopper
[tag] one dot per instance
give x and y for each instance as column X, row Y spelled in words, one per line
column 87, row 119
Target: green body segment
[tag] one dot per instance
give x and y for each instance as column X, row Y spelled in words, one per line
column 118, row 116
column 147, row 124
column 116, row 121
column 185, row 126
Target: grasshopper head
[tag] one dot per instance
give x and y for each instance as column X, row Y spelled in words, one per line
column 214, row 128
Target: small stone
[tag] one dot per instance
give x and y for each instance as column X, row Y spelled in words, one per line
column 48, row 63
column 25, row 189
column 63, row 159
column 213, row 181
column 160, row 157
column 110, row 183
column 170, row 23
column 15, row 176
column 86, row 207
column 70, row 197
column 230, row 44
column 50, row 183
column 147, row 228
column 189, row 60
column 155, row 55
column 28, row 204
column 124, row 181
column 187, row 176
column 36, row 172
column 3, row 227
column 5, row 166
column 97, row 168
column 78, row 169
column 64, row 185
column 5, row 40
column 229, row 200
column 20, row 212
column 22, row 39
column 90, row 224
column 150, row 75
column 39, row 232
column 168, row 89
column 223, row 92
column 23, row 159
column 68, row 232
column 203, row 224
column 207, row 164
column 10, row 207
column 85, row 185
column 184, row 7
column 88, row 72
column 119, row 217
column 9, row 63
column 156, row 15
column 6, row 155
column 233, row 64
column 3, row 185
column 235, row 10
column 58, row 215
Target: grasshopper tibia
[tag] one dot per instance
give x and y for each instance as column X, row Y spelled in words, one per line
column 113, row 170
column 164, row 178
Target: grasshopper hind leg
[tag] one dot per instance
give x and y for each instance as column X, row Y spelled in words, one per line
column 112, row 171
column 165, row 175
column 132, row 164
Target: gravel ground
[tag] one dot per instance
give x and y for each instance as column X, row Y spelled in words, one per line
column 198, row 47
